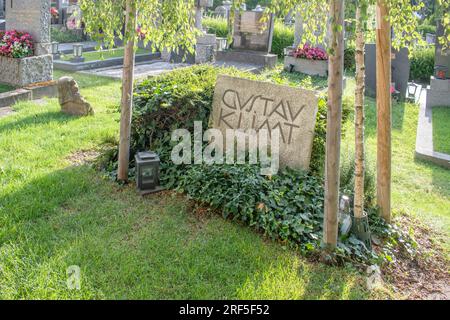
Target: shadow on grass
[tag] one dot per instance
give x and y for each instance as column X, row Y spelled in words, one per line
column 41, row 118
column 398, row 115
column 132, row 247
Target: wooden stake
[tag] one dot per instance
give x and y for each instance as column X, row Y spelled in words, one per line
column 334, row 119
column 127, row 93
column 383, row 56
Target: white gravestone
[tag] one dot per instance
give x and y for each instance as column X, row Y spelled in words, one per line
column 247, row 104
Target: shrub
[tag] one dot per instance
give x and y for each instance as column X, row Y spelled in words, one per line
column 15, row 44
column 422, row 64
column 426, row 28
column 349, row 59
column 66, row 36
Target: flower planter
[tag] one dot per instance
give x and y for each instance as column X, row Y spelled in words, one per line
column 24, row 71
column 311, row 67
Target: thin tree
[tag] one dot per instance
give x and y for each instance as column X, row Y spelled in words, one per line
column 160, row 25
column 361, row 18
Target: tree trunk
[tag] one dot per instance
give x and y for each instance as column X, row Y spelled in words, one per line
column 383, row 48
column 127, row 92
column 359, row 112
column 334, row 119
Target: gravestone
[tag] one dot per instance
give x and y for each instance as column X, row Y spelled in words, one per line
column 252, row 40
column 32, row 17
column 400, row 66
column 205, row 44
column 438, row 93
column 246, row 104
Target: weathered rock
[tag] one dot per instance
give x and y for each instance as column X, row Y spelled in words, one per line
column 70, row 99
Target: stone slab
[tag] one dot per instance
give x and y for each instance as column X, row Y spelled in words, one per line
column 311, row 67
column 24, row 71
column 424, row 138
column 247, row 104
column 250, row 33
column 266, row 60
column 43, row 90
column 11, row 97
column 71, row 66
column 140, row 71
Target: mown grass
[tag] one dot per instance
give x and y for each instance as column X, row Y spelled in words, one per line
column 441, row 129
column 419, row 188
column 103, row 54
column 54, row 215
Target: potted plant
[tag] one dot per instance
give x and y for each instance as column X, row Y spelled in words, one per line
column 307, row 59
column 18, row 64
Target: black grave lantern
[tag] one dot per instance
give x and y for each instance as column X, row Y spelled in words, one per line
column 147, row 172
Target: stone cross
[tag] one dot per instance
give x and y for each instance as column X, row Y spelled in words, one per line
column 32, row 17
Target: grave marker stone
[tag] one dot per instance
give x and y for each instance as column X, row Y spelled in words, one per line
column 32, row 17
column 246, row 104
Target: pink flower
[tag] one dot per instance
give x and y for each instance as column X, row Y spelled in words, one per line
column 310, row 53
column 15, row 44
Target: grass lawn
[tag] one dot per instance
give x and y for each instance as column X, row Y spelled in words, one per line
column 419, row 188
column 5, row 88
column 54, row 214
column 441, row 129
column 103, row 55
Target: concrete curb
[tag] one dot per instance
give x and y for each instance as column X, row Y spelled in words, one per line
column 97, row 64
column 424, row 139
column 32, row 92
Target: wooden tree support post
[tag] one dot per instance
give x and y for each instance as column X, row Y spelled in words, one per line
column 334, row 119
column 383, row 57
column 127, row 92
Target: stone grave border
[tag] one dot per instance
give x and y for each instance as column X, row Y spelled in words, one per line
column 35, row 91
column 424, row 138
column 97, row 64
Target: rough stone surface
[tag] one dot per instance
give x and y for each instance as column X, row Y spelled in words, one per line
column 311, row 67
column 33, row 17
column 70, row 99
column 246, row 104
column 21, row 72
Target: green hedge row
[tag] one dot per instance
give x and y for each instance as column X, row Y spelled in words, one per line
column 422, row 64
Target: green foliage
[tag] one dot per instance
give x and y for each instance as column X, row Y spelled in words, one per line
column 422, row 63
column 426, row 28
column 66, row 36
column 162, row 24
column 283, row 36
column 349, row 59
column 287, row 207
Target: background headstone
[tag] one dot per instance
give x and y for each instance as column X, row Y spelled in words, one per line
column 2, row 9
column 32, row 17
column 400, row 66
column 252, row 34
column 246, row 104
